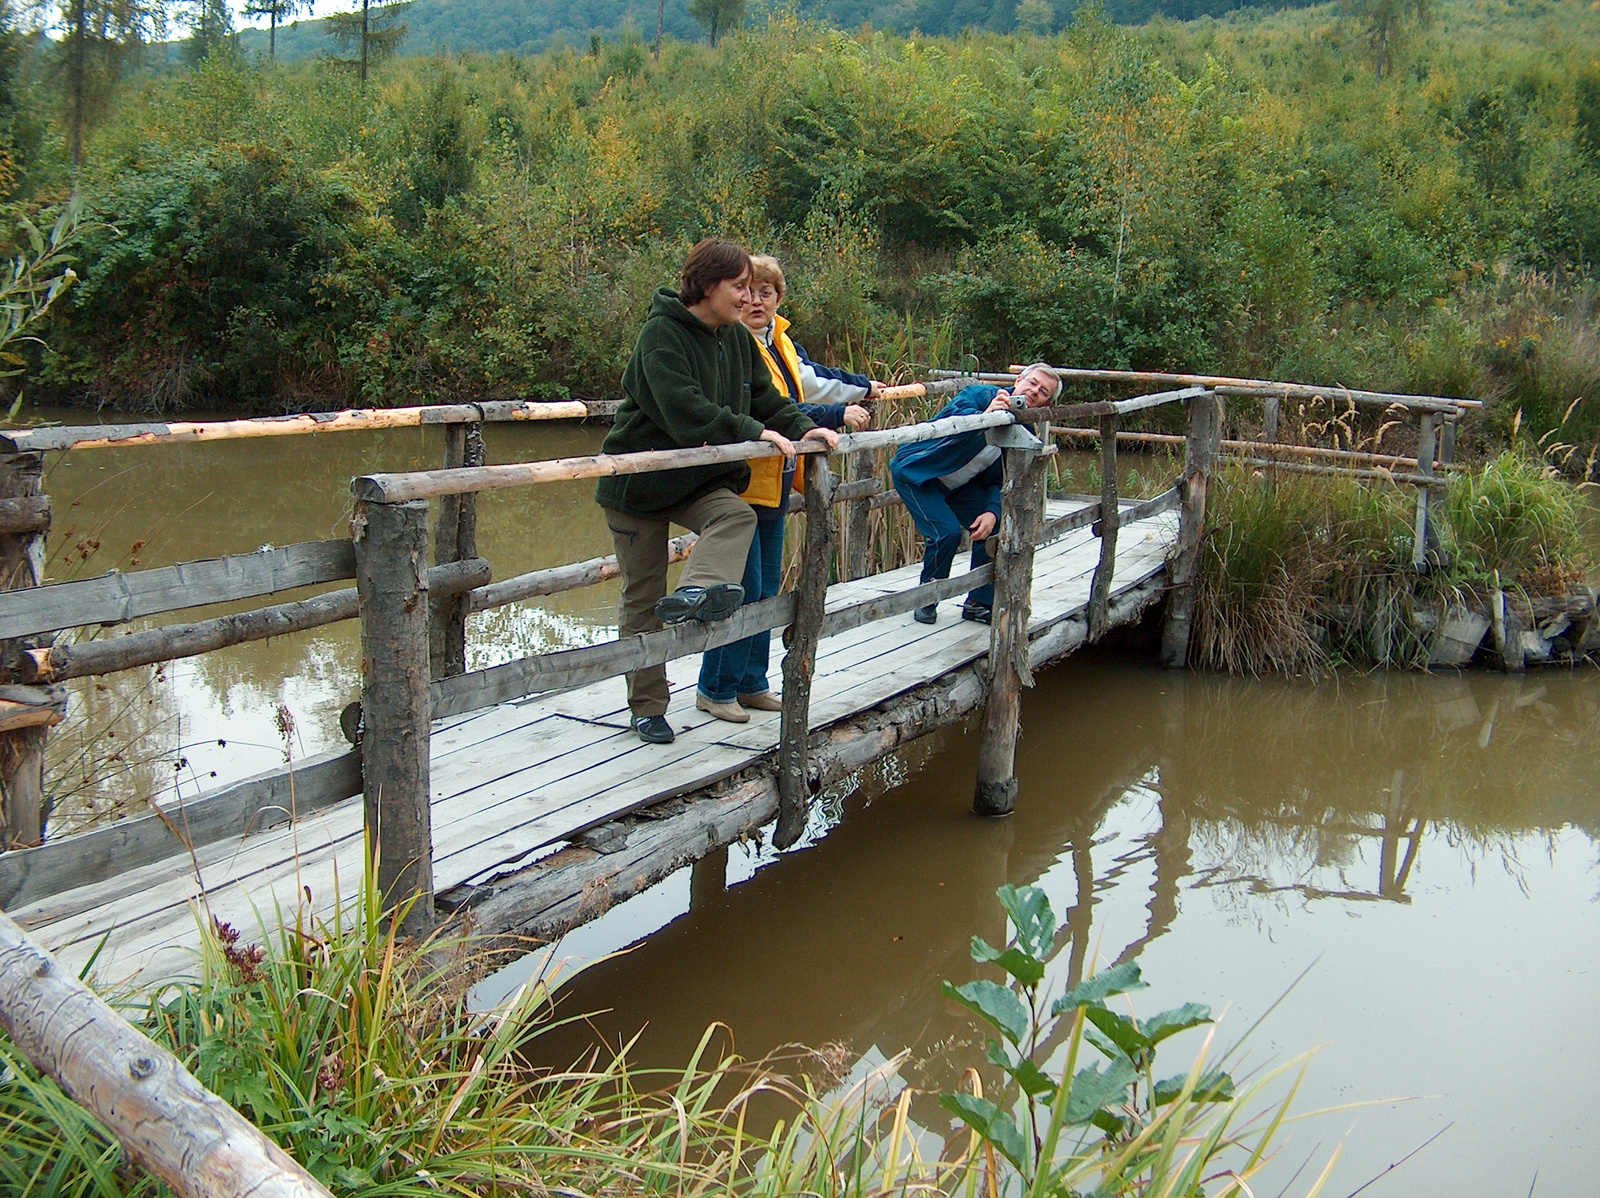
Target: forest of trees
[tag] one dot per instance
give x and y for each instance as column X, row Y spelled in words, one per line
column 1243, row 194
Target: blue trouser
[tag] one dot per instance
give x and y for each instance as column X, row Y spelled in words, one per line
column 941, row 516
column 741, row 668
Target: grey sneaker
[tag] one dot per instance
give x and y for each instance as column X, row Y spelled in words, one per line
column 926, row 615
column 654, row 729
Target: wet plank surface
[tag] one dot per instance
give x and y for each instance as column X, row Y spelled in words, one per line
column 514, row 781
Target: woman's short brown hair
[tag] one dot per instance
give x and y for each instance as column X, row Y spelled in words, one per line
column 764, row 268
column 709, row 263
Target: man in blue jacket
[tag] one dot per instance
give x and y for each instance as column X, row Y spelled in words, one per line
column 951, row 485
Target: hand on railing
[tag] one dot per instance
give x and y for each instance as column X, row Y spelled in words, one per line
column 785, row 446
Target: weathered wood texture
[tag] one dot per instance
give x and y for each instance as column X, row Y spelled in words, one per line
column 116, row 598
column 571, row 887
column 857, row 530
column 800, row 662
column 1399, row 478
column 391, row 544
column 1110, row 407
column 113, row 436
column 253, row 805
column 28, row 514
column 174, row 641
column 167, row 1122
column 1226, row 385
column 25, row 718
column 1205, row 431
column 556, row 579
column 1261, row 450
column 1100, row 592
column 1425, row 538
column 429, row 484
column 455, row 539
column 1021, row 514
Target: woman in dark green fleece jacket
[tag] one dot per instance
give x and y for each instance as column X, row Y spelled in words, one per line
column 695, row 378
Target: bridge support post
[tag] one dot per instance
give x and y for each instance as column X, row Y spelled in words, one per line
column 799, row 663
column 1021, row 515
column 1110, row 520
column 1425, row 541
column 857, row 520
column 455, row 539
column 24, row 807
column 1200, row 459
column 391, row 542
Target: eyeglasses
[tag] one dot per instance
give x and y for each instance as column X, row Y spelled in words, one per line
column 763, row 293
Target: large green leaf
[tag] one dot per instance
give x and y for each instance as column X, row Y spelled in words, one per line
column 1032, row 1079
column 1169, row 1023
column 1119, row 1030
column 1025, row 967
column 1093, row 1090
column 991, row 1123
column 1215, row 1085
column 1119, row 979
column 1029, row 909
column 996, row 1005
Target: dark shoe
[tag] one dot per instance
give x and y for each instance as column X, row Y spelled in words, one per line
column 981, row 612
column 926, row 615
column 654, row 729
column 700, row 603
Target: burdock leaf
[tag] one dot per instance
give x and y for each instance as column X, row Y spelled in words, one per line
column 1121, row 1032
column 1213, row 1086
column 1169, row 1023
column 1119, row 979
column 1029, row 909
column 1093, row 1090
column 1026, row 968
column 996, row 1005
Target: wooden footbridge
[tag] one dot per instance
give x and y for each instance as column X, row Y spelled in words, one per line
column 518, row 791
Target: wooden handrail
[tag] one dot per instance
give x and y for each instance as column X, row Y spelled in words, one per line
column 118, row 436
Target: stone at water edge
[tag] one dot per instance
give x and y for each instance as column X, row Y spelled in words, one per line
column 1460, row 633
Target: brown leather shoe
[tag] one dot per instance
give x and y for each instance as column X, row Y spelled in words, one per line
column 731, row 712
column 765, row 701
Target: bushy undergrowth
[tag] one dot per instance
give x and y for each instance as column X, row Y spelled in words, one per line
column 1300, row 572
column 1236, row 195
column 360, row 1054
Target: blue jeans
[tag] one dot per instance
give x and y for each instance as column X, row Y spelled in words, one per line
column 741, row 668
column 942, row 516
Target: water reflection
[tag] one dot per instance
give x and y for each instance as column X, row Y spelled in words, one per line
column 1426, row 844
column 197, row 723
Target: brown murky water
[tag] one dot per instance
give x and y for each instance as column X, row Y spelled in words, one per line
column 1423, row 849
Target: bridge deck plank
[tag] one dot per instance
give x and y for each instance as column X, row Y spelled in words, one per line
column 513, row 782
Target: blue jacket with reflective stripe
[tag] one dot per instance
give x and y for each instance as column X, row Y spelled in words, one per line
column 923, row 461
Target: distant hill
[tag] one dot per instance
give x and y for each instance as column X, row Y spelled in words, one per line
column 530, row 26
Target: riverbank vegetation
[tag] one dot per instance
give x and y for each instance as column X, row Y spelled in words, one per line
column 364, row 1057
column 1242, row 195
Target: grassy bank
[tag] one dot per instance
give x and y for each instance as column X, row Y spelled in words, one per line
column 1300, row 574
column 362, row 1056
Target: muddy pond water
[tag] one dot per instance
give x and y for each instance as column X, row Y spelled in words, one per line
column 1421, row 853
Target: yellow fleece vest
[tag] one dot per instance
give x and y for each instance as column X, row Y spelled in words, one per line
column 766, row 474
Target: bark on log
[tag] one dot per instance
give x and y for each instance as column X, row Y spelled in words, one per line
column 24, row 722
column 455, row 539
column 858, row 515
column 1425, row 537
column 1110, row 519
column 110, row 654
column 25, row 514
column 392, row 582
column 1021, row 513
column 167, row 1122
column 799, row 663
column 1205, row 431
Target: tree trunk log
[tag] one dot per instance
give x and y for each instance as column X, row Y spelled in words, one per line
column 455, row 539
column 167, row 1122
column 392, row 584
column 1110, row 520
column 794, row 795
column 1021, row 514
column 1200, row 458
column 24, row 808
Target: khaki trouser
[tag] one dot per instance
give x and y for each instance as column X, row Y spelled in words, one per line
column 725, row 523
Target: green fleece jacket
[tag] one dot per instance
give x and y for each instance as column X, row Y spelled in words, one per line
column 689, row 386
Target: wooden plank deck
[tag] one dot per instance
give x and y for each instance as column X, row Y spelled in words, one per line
column 515, row 781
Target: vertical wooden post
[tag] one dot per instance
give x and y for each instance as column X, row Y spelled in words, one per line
column 1021, row 514
column 1200, row 458
column 810, row 596
column 1269, row 418
column 857, row 517
column 1425, row 536
column 1447, row 442
column 24, row 809
column 455, row 539
column 391, row 542
column 1110, row 520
